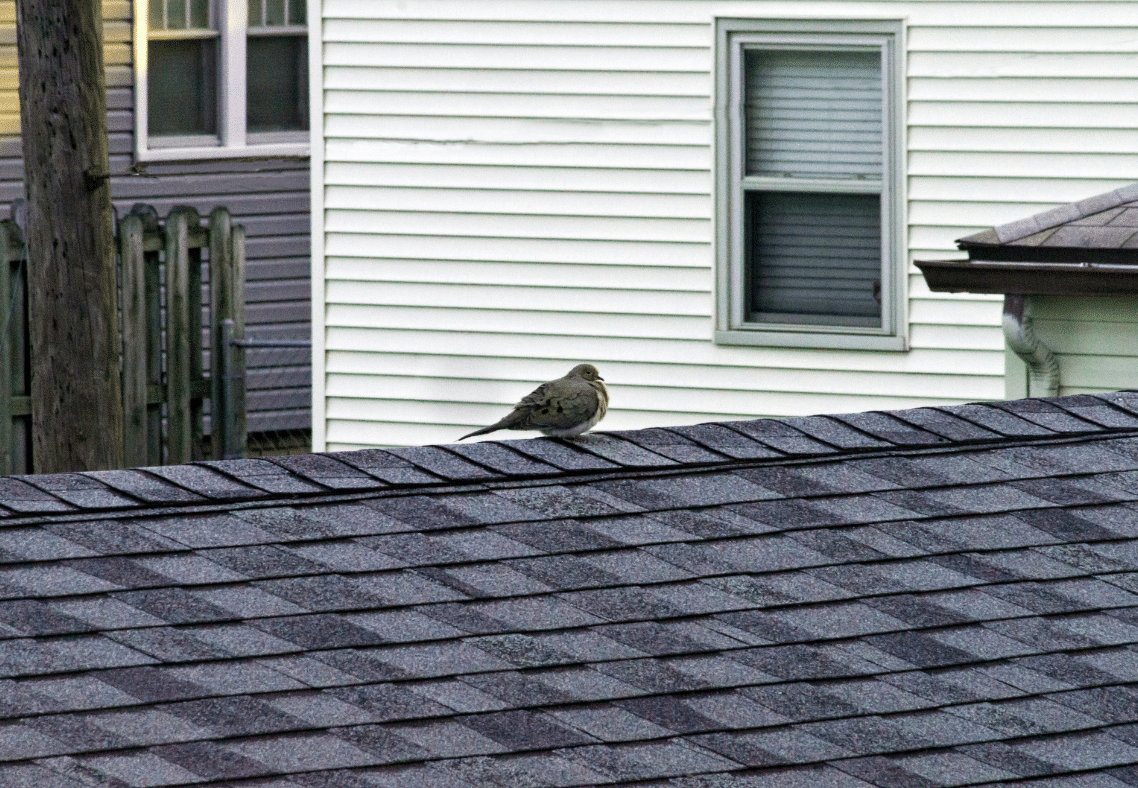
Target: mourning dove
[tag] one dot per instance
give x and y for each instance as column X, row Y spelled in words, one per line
column 561, row 408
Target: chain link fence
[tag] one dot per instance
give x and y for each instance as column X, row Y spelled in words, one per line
column 270, row 390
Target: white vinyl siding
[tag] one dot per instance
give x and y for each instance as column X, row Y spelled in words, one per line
column 509, row 188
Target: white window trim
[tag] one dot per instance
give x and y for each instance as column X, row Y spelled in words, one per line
column 731, row 327
column 233, row 140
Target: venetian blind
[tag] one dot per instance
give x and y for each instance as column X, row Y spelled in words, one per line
column 813, row 114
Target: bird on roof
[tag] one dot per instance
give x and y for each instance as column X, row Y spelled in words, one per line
column 561, row 408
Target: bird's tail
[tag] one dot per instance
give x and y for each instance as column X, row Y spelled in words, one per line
column 505, row 423
column 482, row 431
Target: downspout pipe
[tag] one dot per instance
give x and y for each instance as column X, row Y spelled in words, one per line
column 1042, row 365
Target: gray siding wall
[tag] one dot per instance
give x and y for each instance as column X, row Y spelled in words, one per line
column 269, row 196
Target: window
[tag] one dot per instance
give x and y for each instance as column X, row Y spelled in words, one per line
column 808, row 181
column 219, row 78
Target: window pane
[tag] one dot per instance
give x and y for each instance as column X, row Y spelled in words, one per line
column 199, row 14
column 176, row 14
column 297, row 13
column 256, row 13
column 813, row 114
column 813, row 258
column 182, row 86
column 157, row 15
column 277, row 79
column 274, row 12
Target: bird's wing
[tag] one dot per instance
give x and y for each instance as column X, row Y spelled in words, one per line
column 559, row 404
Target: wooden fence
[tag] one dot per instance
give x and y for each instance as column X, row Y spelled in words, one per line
column 163, row 355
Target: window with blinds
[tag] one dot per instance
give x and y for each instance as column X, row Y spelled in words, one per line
column 809, row 185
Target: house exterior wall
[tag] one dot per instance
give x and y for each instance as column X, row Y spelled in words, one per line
column 509, row 187
column 270, row 197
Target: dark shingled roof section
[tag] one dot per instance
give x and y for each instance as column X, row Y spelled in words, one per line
column 931, row 597
column 1105, row 221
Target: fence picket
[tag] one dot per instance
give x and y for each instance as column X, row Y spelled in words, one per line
column 135, row 374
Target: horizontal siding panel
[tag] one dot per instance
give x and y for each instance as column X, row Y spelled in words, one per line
column 957, row 337
column 1023, row 64
column 956, row 313
column 1112, row 372
column 619, row 157
column 485, row 80
column 478, row 355
column 491, row 225
column 543, row 299
column 1056, row 165
column 502, row 201
column 428, row 129
column 581, row 58
column 513, row 33
column 639, row 108
column 1027, row 38
column 1029, row 89
column 1015, row 115
column 495, row 273
column 520, row 322
column 995, row 191
column 1089, row 310
column 516, row 250
column 457, row 176
column 1022, row 140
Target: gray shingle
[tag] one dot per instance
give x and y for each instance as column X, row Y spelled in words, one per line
column 834, row 432
column 780, row 436
column 442, row 463
column 621, row 452
column 385, row 466
column 327, row 471
column 560, row 454
column 263, row 475
column 889, row 428
column 145, row 487
column 205, row 482
column 501, row 459
column 727, row 442
column 997, row 420
column 670, row 444
column 80, row 490
column 944, row 424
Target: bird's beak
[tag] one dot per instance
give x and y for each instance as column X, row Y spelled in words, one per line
column 599, row 377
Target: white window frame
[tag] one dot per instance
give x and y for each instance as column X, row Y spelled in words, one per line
column 233, row 140
column 732, row 326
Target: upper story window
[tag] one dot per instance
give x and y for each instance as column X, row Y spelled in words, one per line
column 810, row 248
column 218, row 78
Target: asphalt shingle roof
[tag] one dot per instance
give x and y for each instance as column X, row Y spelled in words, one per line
column 935, row 597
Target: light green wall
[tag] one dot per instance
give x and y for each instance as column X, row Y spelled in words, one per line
column 1095, row 339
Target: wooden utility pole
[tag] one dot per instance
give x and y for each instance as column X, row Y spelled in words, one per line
column 76, row 392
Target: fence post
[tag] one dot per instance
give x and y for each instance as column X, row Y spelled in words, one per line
column 136, row 443
column 220, row 308
column 179, row 447
column 9, row 253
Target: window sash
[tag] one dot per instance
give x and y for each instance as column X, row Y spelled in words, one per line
column 737, row 322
